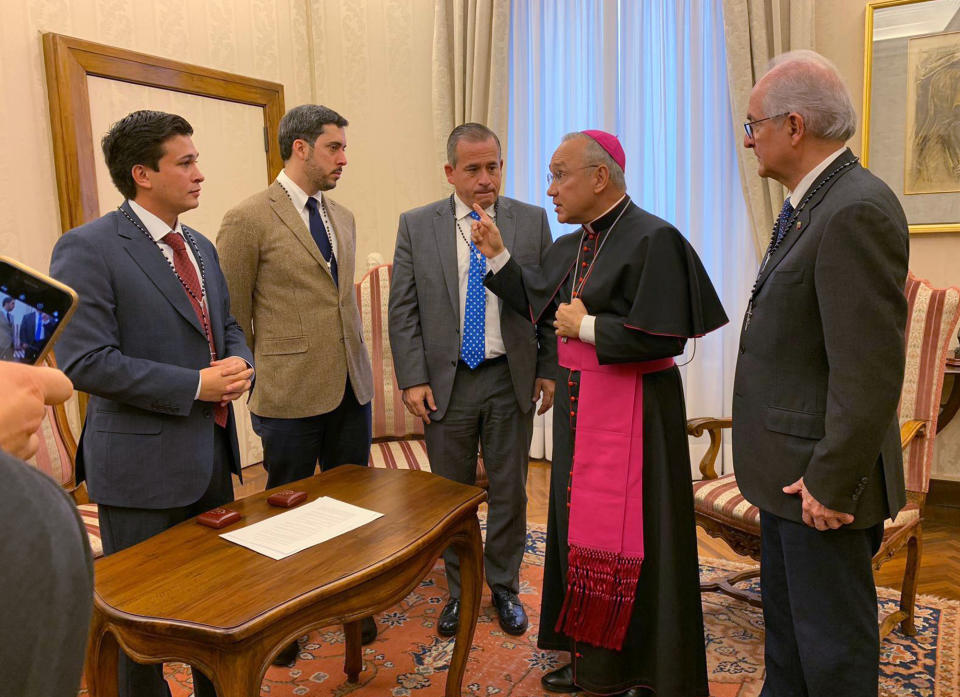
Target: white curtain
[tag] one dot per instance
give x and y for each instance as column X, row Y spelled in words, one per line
column 758, row 30
column 470, row 66
column 655, row 74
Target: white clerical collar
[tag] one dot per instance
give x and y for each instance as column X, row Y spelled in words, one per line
column 619, row 200
column 156, row 227
column 463, row 210
column 796, row 196
column 297, row 195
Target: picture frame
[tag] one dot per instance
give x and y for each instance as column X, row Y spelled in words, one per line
column 910, row 135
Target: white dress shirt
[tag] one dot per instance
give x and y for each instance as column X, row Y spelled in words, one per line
column 158, row 229
column 493, row 340
column 796, row 196
column 299, row 198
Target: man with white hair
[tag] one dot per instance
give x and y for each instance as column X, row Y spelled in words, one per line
column 816, row 442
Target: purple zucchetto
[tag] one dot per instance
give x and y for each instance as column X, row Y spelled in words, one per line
column 611, row 144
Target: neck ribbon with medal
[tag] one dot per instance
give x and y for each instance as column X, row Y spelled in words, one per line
column 775, row 243
column 471, row 247
column 196, row 255
column 576, row 288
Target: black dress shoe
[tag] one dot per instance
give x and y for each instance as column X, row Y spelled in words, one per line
column 449, row 618
column 635, row 692
column 559, row 680
column 513, row 620
column 368, row 630
column 287, row 657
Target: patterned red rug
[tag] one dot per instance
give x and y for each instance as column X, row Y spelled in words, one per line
column 408, row 659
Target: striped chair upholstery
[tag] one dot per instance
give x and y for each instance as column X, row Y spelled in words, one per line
column 397, row 434
column 722, row 498
column 931, row 326
column 55, row 458
column 721, row 510
column 400, row 454
column 390, row 418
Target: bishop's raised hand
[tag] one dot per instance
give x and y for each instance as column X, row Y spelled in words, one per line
column 485, row 234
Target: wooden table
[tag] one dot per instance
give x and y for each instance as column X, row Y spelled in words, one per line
column 188, row 595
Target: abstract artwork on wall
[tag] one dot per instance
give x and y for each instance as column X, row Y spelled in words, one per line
column 932, row 158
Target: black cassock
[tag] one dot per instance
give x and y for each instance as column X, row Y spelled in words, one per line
column 649, row 293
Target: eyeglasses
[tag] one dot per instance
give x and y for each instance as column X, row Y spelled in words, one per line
column 748, row 126
column 560, row 174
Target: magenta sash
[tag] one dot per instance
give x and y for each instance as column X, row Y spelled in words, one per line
column 605, row 497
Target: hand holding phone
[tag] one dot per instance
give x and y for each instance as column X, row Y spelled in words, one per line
column 26, row 389
column 34, row 308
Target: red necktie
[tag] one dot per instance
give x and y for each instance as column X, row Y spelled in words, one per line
column 193, row 289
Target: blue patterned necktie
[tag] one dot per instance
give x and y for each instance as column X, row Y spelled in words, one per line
column 473, row 348
column 319, row 233
column 783, row 219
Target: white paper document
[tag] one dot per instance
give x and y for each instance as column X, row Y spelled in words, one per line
column 301, row 527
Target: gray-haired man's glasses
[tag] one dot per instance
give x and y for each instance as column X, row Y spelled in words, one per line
column 561, row 174
column 748, row 126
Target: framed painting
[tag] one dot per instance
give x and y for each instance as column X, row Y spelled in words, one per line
column 911, row 107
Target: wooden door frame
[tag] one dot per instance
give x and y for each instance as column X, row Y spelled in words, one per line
column 68, row 63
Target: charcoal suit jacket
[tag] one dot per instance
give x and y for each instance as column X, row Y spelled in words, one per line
column 821, row 359
column 136, row 345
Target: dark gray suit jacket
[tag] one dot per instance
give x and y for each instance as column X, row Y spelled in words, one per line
column 821, row 363
column 424, row 311
column 46, row 573
column 136, row 345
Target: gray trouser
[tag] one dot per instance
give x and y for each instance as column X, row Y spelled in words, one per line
column 483, row 410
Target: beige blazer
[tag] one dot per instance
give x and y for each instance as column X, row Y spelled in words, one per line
column 305, row 333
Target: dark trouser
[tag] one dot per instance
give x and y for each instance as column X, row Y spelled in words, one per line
column 124, row 527
column 820, row 610
column 483, row 410
column 293, row 447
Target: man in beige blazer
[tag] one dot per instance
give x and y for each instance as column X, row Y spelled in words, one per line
column 288, row 256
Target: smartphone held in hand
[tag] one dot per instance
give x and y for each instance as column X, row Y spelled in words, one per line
column 34, row 309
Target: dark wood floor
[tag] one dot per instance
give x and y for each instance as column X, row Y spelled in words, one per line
column 939, row 569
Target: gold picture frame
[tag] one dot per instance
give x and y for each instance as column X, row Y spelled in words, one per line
column 908, row 138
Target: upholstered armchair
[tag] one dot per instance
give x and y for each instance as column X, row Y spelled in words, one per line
column 397, row 435
column 722, row 512
column 56, row 457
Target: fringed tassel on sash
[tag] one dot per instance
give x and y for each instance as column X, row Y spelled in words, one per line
column 601, row 588
column 605, row 532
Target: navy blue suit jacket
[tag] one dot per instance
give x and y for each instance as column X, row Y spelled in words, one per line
column 135, row 344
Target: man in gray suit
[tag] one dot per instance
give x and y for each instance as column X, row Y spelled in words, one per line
column 155, row 345
column 471, row 371
column 816, row 442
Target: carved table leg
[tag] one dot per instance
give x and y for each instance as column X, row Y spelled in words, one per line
column 353, row 660
column 100, row 665
column 238, row 675
column 469, row 549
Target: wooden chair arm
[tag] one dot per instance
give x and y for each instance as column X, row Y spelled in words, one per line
column 696, row 427
column 910, row 430
column 714, row 427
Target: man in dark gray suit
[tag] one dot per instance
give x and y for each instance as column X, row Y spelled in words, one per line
column 471, row 371
column 155, row 345
column 816, row 441
column 46, row 569
column 35, row 329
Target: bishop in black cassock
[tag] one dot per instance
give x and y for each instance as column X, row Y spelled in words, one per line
column 624, row 292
